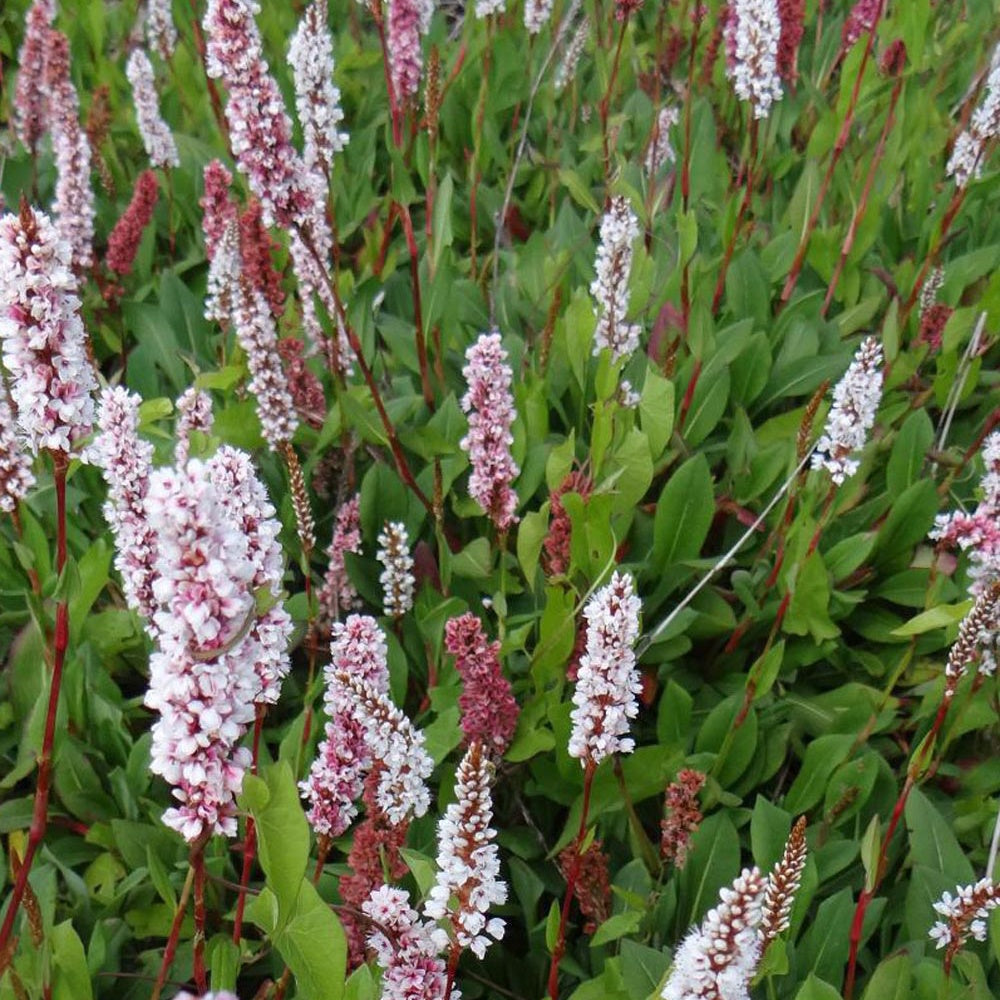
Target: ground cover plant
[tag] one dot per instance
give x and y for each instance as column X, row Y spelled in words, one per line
column 499, row 500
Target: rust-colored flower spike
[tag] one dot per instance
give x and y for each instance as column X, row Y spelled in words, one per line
column 981, row 622
column 805, row 426
column 782, row 885
column 432, row 92
column 683, row 816
column 304, row 523
column 593, row 883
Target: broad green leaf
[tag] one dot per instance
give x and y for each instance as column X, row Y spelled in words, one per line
column 312, row 942
column 72, row 976
column 683, row 514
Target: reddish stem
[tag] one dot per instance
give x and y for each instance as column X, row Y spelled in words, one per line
column 402, row 466
column 411, row 244
column 838, row 149
column 686, row 171
column 394, row 110
column 867, row 894
column 574, row 873
column 40, row 811
column 250, row 837
column 859, row 212
column 720, row 285
column 198, row 970
column 605, row 105
column 213, row 90
column 383, row 249
column 689, row 394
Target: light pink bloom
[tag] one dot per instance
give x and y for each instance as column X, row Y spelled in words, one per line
column 408, row 955
column 607, row 680
column 966, row 915
column 161, row 34
column 571, row 57
column 395, row 744
column 234, row 299
column 752, row 32
column 217, row 206
column 487, row 706
column 16, row 477
column 194, row 413
column 536, row 15
column 397, row 577
column 855, row 403
column 978, row 533
column 30, row 114
column 619, row 230
column 156, row 136
column 468, row 880
column 338, row 594
column 219, row 654
column 126, row 461
column 343, row 758
column 490, row 406
column 317, row 99
column 259, row 127
column 861, row 19
column 44, row 342
column 660, row 153
column 718, row 959
column 243, row 496
column 74, row 203
column 966, row 162
column 403, row 44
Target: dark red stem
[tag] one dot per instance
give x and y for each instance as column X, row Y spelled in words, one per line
column 40, row 812
column 411, row 245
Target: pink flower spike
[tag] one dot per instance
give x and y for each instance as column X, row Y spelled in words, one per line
column 161, row 34
column 966, row 162
column 317, row 99
column 194, row 413
column 619, row 230
column 156, row 136
column 468, row 881
column 719, row 958
column 753, row 31
column 217, row 206
column 855, row 403
column 30, row 114
column 123, row 243
column 403, row 44
column 487, row 705
column 490, row 406
column 74, row 204
column 338, row 594
column 126, row 461
column 44, row 342
column 607, row 680
column 16, row 477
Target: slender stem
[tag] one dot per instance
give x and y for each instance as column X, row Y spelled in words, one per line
column 574, row 873
column 411, row 244
column 720, row 285
column 868, row 893
column 250, row 837
column 402, row 466
column 859, row 212
column 198, row 866
column 453, row 957
column 686, row 172
column 394, row 110
column 40, row 811
column 838, row 149
column 605, row 105
column 175, row 932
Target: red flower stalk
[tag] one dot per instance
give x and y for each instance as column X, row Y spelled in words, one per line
column 305, row 387
column 593, row 883
column 123, row 243
column 683, row 816
column 256, row 248
column 557, row 542
column 489, row 711
column 792, row 14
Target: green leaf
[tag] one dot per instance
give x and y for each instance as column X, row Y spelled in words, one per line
column 707, row 406
column 552, row 926
column 932, row 840
column 656, row 411
column 809, row 609
column 422, row 867
column 441, row 227
column 684, row 514
column 617, row 926
column 821, row 759
column 72, row 976
column 314, row 946
column 909, row 452
column 713, row 861
column 642, row 968
column 579, row 192
column 817, row 989
column 892, row 980
column 282, row 834
column 475, row 561
column 937, row 617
